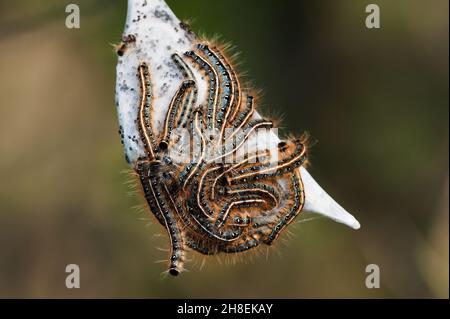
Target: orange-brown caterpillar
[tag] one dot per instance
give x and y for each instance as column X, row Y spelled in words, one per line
column 206, row 203
column 123, row 45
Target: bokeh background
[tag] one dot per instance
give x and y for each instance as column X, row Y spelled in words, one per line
column 376, row 102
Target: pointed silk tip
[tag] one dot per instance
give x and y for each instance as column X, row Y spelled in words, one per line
column 319, row 202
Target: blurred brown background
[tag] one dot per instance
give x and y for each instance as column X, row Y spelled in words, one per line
column 375, row 100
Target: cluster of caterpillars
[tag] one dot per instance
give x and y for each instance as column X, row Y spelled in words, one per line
column 207, row 204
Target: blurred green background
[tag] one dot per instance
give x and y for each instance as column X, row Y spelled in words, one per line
column 376, row 102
